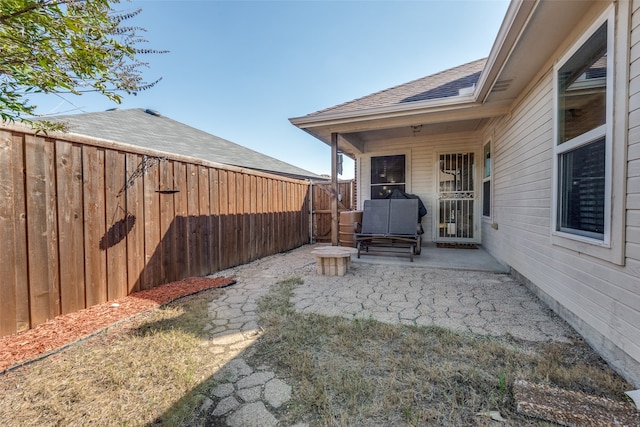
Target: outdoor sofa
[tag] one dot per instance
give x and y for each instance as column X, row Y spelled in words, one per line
column 389, row 225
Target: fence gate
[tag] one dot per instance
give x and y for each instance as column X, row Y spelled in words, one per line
column 321, row 207
column 456, row 198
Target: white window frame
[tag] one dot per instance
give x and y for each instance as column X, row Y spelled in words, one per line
column 365, row 172
column 487, row 178
column 611, row 246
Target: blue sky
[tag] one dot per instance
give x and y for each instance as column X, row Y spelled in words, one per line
column 241, row 69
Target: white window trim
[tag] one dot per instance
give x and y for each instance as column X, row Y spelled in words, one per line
column 611, row 247
column 365, row 175
column 490, row 179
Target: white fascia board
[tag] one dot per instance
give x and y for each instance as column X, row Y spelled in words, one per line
column 515, row 21
column 396, row 110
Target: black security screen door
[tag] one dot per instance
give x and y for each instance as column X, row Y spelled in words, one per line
column 456, row 197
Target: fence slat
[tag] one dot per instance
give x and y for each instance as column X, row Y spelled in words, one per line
column 278, row 198
column 214, row 220
column 231, row 233
column 192, row 214
column 203, row 220
column 114, row 241
column 260, row 222
column 95, row 225
column 152, row 242
column 245, row 223
column 134, row 201
column 9, row 256
column 23, row 313
column 290, row 215
column 225, row 222
column 271, row 216
column 181, row 221
column 253, row 213
column 44, row 300
column 70, row 226
column 53, row 256
column 167, row 218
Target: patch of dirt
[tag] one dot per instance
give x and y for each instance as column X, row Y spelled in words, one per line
column 66, row 329
column 570, row 408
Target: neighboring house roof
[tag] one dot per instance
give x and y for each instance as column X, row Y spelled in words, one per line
column 444, row 84
column 149, row 129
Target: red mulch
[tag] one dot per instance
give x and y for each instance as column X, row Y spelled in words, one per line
column 65, row 329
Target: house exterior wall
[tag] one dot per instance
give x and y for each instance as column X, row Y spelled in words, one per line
column 421, row 155
column 598, row 297
column 596, row 292
column 633, row 153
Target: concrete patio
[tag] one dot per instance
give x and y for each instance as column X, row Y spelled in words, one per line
column 465, row 290
column 432, row 256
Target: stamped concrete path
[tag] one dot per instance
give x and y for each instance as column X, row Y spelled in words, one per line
column 482, row 302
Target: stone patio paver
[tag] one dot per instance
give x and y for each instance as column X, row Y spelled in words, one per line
column 478, row 302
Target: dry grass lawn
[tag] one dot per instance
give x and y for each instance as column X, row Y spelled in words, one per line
column 364, row 372
column 132, row 375
column 158, row 370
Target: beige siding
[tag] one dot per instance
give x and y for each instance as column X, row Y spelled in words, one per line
column 599, row 298
column 598, row 295
column 422, row 152
column 633, row 153
column 522, row 175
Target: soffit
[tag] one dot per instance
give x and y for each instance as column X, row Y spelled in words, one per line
column 549, row 27
column 469, row 117
column 421, row 130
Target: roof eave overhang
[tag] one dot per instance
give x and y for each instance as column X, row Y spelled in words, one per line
column 518, row 15
column 421, row 112
column 473, row 106
column 368, row 113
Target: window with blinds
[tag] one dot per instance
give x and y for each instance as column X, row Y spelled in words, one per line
column 581, row 137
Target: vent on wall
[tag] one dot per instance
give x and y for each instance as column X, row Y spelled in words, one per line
column 466, row 90
column 501, row 85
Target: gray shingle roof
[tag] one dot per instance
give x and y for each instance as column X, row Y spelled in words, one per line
column 436, row 86
column 140, row 128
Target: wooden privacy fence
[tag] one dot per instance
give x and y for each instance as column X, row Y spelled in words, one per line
column 84, row 221
column 321, row 205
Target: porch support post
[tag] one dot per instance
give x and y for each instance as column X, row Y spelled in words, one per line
column 334, row 189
